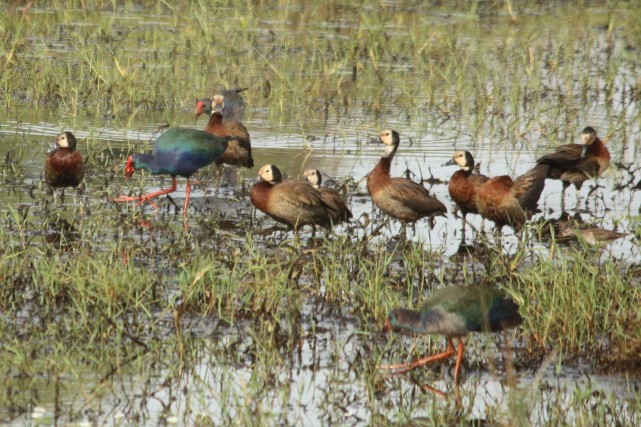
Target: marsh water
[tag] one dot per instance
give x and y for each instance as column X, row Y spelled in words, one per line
column 321, row 382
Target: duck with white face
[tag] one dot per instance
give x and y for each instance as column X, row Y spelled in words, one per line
column 239, row 150
column 64, row 166
column 400, row 198
column 291, row 202
column 573, row 164
column 339, row 211
column 235, row 107
column 464, row 184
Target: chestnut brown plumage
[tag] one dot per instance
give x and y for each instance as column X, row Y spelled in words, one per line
column 464, row 184
column 64, row 166
column 511, row 202
column 399, row 198
column 338, row 210
column 576, row 163
column 238, row 152
column 292, row 202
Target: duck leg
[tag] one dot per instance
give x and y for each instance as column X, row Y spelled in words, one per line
column 565, row 186
column 378, row 229
column 577, row 186
column 146, row 198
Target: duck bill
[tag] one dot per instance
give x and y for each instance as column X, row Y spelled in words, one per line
column 450, row 162
column 129, row 167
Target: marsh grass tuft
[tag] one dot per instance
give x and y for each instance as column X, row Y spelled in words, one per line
column 582, row 304
column 124, row 309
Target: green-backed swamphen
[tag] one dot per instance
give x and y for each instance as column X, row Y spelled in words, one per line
column 178, row 152
column 454, row 312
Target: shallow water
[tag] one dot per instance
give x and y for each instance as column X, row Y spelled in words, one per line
column 340, row 155
column 322, row 383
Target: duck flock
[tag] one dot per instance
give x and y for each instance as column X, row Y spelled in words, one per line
column 452, row 311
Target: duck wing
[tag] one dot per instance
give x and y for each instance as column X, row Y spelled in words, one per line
column 528, row 187
column 415, row 196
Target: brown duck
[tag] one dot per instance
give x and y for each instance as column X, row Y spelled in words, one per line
column 338, row 210
column 576, row 163
column 464, row 184
column 511, row 202
column 399, row 198
column 239, row 150
column 64, row 166
column 292, row 202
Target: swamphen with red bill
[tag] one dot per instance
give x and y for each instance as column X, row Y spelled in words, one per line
column 178, row 152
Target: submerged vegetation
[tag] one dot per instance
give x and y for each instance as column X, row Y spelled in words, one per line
column 115, row 316
column 517, row 73
column 157, row 296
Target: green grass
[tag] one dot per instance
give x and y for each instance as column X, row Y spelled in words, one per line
column 136, row 302
column 581, row 304
column 118, row 310
column 521, row 76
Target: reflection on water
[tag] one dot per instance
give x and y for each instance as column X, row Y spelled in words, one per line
column 323, row 382
column 320, row 382
column 338, row 155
